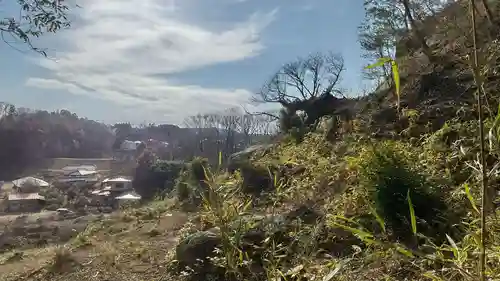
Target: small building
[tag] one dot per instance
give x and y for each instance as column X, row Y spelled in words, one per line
column 73, row 168
column 117, row 184
column 25, row 202
column 28, row 184
column 128, row 197
column 128, row 150
column 80, row 176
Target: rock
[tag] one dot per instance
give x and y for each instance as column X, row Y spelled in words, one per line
column 305, row 213
column 244, row 156
column 255, row 179
column 297, row 170
column 194, row 250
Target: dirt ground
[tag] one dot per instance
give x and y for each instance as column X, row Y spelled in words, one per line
column 121, row 247
column 24, row 232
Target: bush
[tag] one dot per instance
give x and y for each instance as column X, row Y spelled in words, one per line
column 191, row 185
column 389, row 178
column 292, row 124
column 156, row 177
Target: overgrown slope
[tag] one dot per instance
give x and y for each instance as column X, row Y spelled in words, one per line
column 392, row 196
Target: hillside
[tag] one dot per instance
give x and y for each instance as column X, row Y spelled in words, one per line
column 386, row 192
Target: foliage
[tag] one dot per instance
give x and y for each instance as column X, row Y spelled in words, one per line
column 190, row 186
column 155, row 177
column 392, row 184
column 395, row 74
column 293, row 124
column 34, row 18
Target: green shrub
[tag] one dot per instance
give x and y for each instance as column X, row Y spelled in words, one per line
column 155, row 177
column 256, row 179
column 389, row 178
column 190, row 185
column 292, row 124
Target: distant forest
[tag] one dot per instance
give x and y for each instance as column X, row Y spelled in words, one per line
column 28, row 137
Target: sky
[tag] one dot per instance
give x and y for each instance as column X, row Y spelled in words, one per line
column 160, row 61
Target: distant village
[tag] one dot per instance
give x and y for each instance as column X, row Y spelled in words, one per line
column 90, row 185
column 92, row 188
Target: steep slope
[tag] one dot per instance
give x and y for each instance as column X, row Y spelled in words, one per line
column 443, row 87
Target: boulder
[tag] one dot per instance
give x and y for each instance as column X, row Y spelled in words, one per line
column 194, row 250
column 255, row 179
column 244, row 156
column 304, row 213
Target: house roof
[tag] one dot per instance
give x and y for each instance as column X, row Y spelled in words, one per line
column 30, row 181
column 25, row 196
column 129, row 145
column 117, row 179
column 79, row 167
column 83, row 173
column 129, row 196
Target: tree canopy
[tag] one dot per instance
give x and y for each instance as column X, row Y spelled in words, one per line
column 34, row 18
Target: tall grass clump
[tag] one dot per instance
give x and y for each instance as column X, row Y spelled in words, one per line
column 191, row 185
column 402, row 196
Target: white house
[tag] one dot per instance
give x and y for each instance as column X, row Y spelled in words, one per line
column 130, row 145
column 73, row 168
column 80, row 176
column 29, row 184
column 129, row 196
column 117, row 184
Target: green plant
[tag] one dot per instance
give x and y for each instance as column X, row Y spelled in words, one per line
column 190, row 186
column 395, row 74
column 222, row 208
column 400, row 193
column 292, row 124
column 62, row 260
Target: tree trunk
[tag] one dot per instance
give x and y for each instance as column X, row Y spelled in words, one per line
column 487, row 10
column 420, row 37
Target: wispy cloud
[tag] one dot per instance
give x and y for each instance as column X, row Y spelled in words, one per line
column 124, row 52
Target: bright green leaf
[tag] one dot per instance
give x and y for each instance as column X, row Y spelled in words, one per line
column 377, row 217
column 412, row 214
column 404, row 251
column 469, row 196
column 395, row 76
column 379, row 63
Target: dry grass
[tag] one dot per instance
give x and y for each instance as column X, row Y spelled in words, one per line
column 112, row 249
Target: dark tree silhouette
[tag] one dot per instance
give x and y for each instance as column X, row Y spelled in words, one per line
column 34, row 18
column 309, row 85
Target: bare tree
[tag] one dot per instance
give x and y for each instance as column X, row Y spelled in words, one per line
column 248, row 127
column 266, row 125
column 310, row 85
column 488, row 12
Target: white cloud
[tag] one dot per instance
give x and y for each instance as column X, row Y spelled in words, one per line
column 117, row 49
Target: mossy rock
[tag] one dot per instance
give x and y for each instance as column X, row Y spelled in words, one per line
column 256, row 179
column 194, row 250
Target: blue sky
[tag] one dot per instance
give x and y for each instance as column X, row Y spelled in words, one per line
column 163, row 60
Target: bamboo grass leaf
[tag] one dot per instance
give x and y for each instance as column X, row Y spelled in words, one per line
column 413, row 219
column 469, row 196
